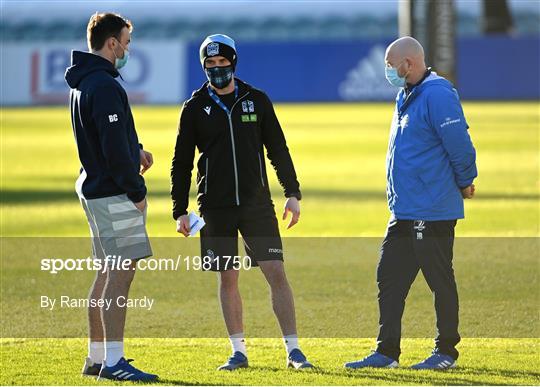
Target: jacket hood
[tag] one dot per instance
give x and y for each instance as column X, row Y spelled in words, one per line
column 243, row 88
column 84, row 63
column 434, row 80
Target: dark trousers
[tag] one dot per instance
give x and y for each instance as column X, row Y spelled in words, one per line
column 410, row 246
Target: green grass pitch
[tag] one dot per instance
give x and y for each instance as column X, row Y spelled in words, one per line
column 339, row 153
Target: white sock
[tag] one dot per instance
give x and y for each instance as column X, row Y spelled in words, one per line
column 291, row 342
column 114, row 351
column 96, row 351
column 238, row 343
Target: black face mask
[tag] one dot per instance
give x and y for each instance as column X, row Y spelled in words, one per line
column 220, row 77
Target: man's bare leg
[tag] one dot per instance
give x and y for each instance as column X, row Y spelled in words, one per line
column 283, row 305
column 114, row 318
column 231, row 305
column 231, row 302
column 96, row 348
column 282, row 296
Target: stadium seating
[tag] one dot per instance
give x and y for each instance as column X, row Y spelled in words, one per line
column 268, row 29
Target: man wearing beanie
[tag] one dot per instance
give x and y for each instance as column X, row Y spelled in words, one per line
column 230, row 123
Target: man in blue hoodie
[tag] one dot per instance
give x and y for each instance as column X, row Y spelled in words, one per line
column 110, row 187
column 430, row 168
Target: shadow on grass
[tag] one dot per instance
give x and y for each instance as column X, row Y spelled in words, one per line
column 173, row 382
column 458, row 376
column 413, row 377
column 15, row 196
column 498, row 372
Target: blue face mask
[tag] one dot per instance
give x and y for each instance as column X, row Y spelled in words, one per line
column 220, row 77
column 393, row 77
column 121, row 62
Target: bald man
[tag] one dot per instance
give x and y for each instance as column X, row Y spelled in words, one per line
column 430, row 168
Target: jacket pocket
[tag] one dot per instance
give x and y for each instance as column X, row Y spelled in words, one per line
column 261, row 168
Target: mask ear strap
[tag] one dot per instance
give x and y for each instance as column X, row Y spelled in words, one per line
column 120, row 44
column 114, row 48
column 408, row 72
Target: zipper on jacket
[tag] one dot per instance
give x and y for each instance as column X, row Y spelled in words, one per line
column 261, row 168
column 206, row 177
column 229, row 115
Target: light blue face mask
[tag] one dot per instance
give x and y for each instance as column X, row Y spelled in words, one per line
column 121, row 62
column 393, row 77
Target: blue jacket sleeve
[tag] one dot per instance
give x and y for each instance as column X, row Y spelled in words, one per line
column 447, row 119
column 111, row 119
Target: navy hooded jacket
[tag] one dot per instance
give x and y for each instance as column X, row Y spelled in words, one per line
column 104, row 130
column 430, row 154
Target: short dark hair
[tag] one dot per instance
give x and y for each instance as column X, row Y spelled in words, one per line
column 102, row 26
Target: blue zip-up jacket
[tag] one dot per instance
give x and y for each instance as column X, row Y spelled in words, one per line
column 104, row 129
column 430, row 154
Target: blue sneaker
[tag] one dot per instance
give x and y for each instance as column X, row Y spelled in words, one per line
column 437, row 361
column 90, row 368
column 297, row 360
column 123, row 371
column 375, row 360
column 237, row 360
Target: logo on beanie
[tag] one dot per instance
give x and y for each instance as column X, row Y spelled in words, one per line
column 212, row 49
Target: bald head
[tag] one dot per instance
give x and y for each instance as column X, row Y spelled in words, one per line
column 407, row 55
column 406, row 46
